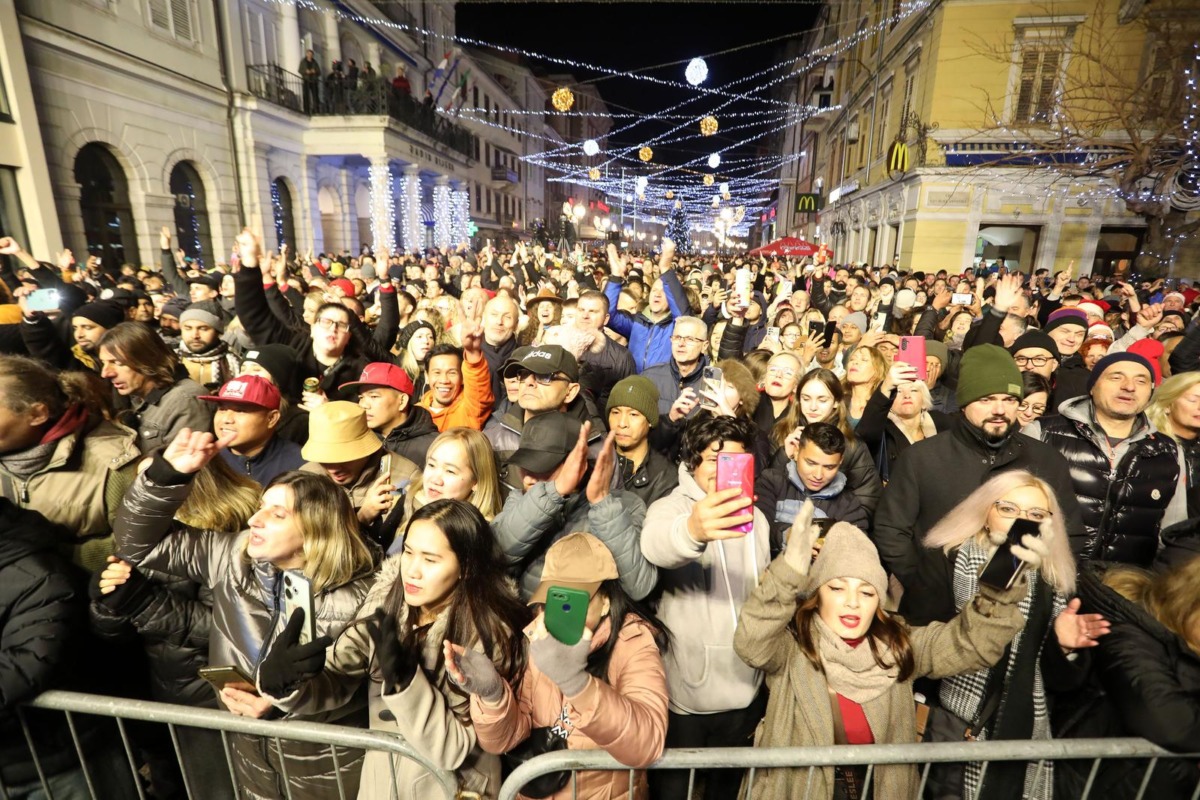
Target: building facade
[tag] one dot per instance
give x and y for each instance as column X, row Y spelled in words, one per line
column 194, row 115
column 923, row 161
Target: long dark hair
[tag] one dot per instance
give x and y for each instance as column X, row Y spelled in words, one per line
column 484, row 607
column 888, row 639
column 621, row 606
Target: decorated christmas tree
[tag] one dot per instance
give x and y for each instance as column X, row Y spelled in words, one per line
column 679, row 230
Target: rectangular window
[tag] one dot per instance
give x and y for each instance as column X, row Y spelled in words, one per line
column 12, row 219
column 474, row 97
column 5, row 110
column 885, row 107
column 172, row 17
column 1037, row 83
column 910, row 84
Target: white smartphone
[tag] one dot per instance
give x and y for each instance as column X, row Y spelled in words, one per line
column 742, row 280
column 961, row 299
column 297, row 593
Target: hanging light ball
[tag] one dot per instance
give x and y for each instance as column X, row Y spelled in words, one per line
column 716, row 203
column 679, row 204
column 708, row 126
column 562, row 99
column 590, row 147
column 714, row 161
column 594, row 174
column 641, row 183
column 645, row 154
column 696, row 72
column 726, row 196
column 670, row 195
column 708, row 180
column 724, row 187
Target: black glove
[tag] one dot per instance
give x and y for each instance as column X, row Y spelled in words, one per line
column 126, row 600
column 290, row 663
column 397, row 664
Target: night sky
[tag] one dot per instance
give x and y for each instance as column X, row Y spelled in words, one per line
column 634, row 36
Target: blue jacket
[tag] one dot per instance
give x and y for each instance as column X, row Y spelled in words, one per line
column 649, row 342
column 278, row 457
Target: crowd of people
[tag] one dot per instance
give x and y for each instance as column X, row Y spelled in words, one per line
column 793, row 504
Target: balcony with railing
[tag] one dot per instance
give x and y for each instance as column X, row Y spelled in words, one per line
column 393, row 10
column 366, row 96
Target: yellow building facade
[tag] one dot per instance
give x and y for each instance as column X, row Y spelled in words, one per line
column 926, row 160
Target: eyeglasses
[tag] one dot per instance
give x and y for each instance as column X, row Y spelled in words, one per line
column 1038, row 409
column 542, row 380
column 326, row 323
column 791, row 336
column 1012, row 511
column 1037, row 361
column 686, row 340
column 781, row 372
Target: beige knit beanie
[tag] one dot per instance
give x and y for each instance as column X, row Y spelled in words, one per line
column 848, row 553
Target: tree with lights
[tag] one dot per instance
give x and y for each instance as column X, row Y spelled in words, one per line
column 1104, row 117
column 679, row 229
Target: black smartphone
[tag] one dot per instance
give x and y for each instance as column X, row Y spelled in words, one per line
column 831, row 328
column 1004, row 568
column 816, row 328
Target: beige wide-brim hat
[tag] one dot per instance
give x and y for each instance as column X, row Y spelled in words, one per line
column 338, row 433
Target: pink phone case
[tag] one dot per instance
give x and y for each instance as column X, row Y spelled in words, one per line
column 737, row 470
column 912, row 351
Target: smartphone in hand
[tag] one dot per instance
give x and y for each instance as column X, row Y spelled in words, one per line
column 912, row 352
column 710, row 382
column 1004, row 568
column 737, row 470
column 298, row 593
column 566, row 613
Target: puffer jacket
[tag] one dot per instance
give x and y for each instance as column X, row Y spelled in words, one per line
column 1124, row 500
column 670, row 384
column 1146, row 682
column 412, row 439
column 624, row 714
column 704, row 587
column 530, row 523
column 649, row 341
column 247, row 614
column 798, row 710
column 166, row 411
column 431, row 714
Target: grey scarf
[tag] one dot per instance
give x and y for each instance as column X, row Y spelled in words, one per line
column 852, row 671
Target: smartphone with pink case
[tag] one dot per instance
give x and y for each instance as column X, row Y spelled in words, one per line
column 737, row 470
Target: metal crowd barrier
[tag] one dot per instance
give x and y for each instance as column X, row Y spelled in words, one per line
column 177, row 716
column 810, row 758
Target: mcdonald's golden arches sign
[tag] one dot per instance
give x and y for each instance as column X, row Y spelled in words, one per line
column 897, row 158
column 808, row 201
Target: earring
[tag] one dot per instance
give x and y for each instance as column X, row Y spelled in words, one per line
column 987, row 528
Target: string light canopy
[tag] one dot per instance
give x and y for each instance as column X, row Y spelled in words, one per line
column 696, row 72
column 645, row 154
column 708, row 125
column 563, row 99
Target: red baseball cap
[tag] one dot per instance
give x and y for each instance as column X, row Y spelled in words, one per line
column 250, row 390
column 381, row 373
column 346, row 285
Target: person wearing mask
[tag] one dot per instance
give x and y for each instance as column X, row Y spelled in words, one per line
column 206, row 358
column 247, row 419
column 305, row 524
column 446, row 585
column 460, row 393
column 609, row 686
column 632, row 415
column 840, row 668
column 708, row 568
column 1130, row 479
column 649, row 333
column 933, row 476
column 562, row 496
column 163, row 400
column 385, row 393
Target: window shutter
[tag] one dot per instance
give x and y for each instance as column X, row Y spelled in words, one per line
column 160, row 15
column 1029, row 69
column 1049, row 81
column 181, row 19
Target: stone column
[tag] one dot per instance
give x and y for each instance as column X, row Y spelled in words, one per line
column 410, row 209
column 289, row 32
column 383, row 214
column 441, row 211
column 333, row 45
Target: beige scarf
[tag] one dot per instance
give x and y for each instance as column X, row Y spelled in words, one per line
column 928, row 428
column 852, row 671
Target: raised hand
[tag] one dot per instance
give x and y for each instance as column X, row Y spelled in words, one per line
column 289, row 663
column 1149, row 316
column 473, row 672
column 1008, row 290
column 249, row 248
column 802, row 539
column 1076, row 631
column 9, row 246
column 190, row 450
column 717, row 513
column 575, row 465
column 602, row 472
column 683, row 404
column 164, row 238
column 397, row 664
column 564, row 664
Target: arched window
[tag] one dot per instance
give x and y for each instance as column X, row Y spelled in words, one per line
column 104, row 205
column 281, row 207
column 192, row 230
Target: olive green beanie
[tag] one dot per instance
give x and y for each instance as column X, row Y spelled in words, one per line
column 987, row 369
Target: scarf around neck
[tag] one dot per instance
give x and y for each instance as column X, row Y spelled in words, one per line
column 852, row 671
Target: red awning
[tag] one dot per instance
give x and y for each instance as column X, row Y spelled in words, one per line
column 787, row 246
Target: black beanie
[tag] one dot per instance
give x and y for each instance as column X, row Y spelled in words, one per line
column 1113, row 358
column 104, row 313
column 1035, row 338
column 409, row 330
column 283, row 364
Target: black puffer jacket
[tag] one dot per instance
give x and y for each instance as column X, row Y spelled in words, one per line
column 1146, row 682
column 1123, row 507
column 412, row 439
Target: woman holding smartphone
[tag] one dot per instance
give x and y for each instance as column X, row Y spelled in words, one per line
column 305, row 524
column 996, row 703
column 607, row 689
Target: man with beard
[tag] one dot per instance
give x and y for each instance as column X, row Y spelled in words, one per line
column 933, row 476
column 206, row 358
column 168, row 320
column 88, row 323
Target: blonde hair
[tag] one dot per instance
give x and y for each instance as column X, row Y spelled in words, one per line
column 968, row 519
column 1174, row 387
column 220, row 499
column 486, row 496
column 1170, row 597
column 879, row 364
column 334, row 550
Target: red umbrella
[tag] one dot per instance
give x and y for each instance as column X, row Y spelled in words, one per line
column 787, row 246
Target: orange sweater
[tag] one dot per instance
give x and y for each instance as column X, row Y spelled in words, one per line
column 474, row 403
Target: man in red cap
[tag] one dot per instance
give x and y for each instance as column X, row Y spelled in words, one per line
column 385, row 393
column 248, row 409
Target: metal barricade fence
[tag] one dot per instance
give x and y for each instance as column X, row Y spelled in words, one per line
column 175, row 717
column 809, row 759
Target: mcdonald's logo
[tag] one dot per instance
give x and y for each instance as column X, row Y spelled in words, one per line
column 808, row 202
column 897, row 158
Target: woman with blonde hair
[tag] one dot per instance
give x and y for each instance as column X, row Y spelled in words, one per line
column 899, row 413
column 866, row 369
column 1009, row 701
column 1175, row 410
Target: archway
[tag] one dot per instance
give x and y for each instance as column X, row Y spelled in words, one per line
column 331, row 220
column 192, row 230
column 104, row 204
column 281, row 208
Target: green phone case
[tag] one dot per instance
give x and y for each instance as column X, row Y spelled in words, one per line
column 566, row 613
